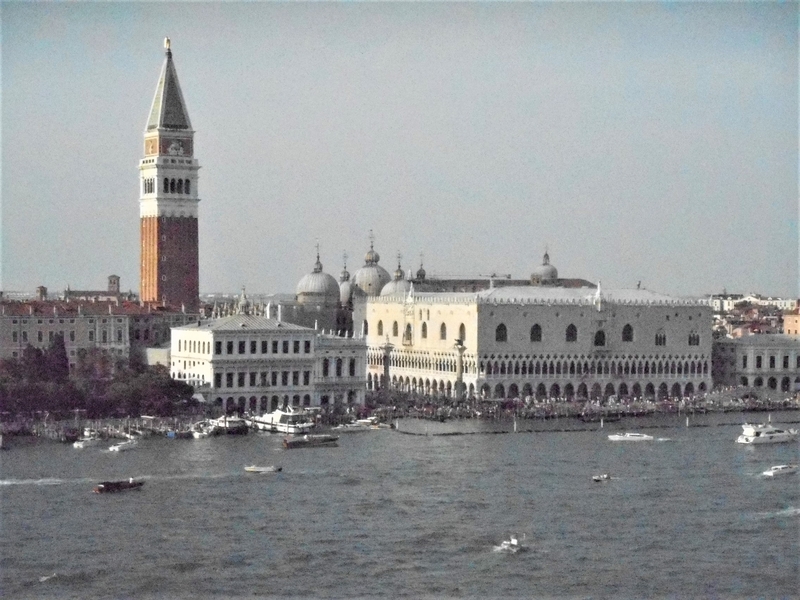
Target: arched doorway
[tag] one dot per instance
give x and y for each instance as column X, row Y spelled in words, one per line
column 499, row 391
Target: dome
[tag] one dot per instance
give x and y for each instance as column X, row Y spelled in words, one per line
column 546, row 273
column 317, row 286
column 345, row 292
column 371, row 278
column 420, row 273
column 396, row 286
column 399, row 285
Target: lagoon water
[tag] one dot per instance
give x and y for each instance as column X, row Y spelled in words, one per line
column 393, row 515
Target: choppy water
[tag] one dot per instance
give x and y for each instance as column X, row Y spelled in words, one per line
column 387, row 514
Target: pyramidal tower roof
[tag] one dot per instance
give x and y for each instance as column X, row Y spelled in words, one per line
column 168, row 110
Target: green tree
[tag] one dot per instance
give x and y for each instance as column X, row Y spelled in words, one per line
column 56, row 361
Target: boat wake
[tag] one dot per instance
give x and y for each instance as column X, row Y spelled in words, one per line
column 46, row 577
column 664, row 439
column 45, row 481
column 792, row 511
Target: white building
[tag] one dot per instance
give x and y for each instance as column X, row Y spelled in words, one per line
column 539, row 341
column 771, row 362
column 257, row 364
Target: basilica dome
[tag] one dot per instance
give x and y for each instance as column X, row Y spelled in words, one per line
column 399, row 285
column 545, row 274
column 345, row 287
column 371, row 278
column 317, row 287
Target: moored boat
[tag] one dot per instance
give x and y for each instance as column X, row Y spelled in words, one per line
column 630, row 437
column 292, row 421
column 108, row 487
column 232, row 425
column 122, row 446
column 350, row 428
column 780, row 470
column 310, row 441
column 764, row 433
column 86, row 442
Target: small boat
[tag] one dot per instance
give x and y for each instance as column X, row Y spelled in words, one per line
column 108, row 487
column 350, row 428
column 780, row 470
column 511, row 545
column 86, row 442
column 630, row 437
column 229, row 425
column 122, row 446
column 764, row 433
column 269, row 469
column 601, row 477
column 311, row 441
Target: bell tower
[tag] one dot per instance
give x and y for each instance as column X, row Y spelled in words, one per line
column 168, row 200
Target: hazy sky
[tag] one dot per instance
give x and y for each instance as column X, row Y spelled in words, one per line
column 636, row 141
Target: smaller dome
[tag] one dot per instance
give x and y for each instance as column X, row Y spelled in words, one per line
column 317, row 286
column 372, row 256
column 345, row 292
column 545, row 273
column 396, row 286
column 420, row 273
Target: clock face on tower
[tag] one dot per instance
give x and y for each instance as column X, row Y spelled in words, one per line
column 150, row 147
column 176, row 147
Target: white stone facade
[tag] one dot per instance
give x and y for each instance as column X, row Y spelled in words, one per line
column 545, row 342
column 258, row 364
column 771, row 362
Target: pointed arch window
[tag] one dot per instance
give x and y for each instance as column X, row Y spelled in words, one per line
column 661, row 338
column 536, row 333
column 187, row 187
column 572, row 333
column 380, row 327
column 166, row 185
column 366, row 327
column 171, row 186
column 600, row 338
column 627, row 333
column 424, row 332
column 462, row 333
column 394, row 329
column 443, row 332
column 180, row 186
column 694, row 339
column 501, row 333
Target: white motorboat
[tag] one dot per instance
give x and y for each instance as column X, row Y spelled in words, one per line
column 764, row 433
column 780, row 470
column 269, row 469
column 350, row 428
column 511, row 545
column 630, row 437
column 86, row 442
column 601, row 477
column 292, row 421
column 232, row 425
column 122, row 446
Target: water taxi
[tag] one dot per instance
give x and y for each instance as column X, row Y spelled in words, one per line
column 780, row 470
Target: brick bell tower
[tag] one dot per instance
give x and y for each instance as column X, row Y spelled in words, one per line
column 168, row 199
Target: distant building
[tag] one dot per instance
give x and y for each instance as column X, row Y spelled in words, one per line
column 111, row 294
column 115, row 328
column 255, row 363
column 771, row 362
column 791, row 323
column 727, row 302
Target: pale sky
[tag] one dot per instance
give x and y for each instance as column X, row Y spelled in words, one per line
column 652, row 142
